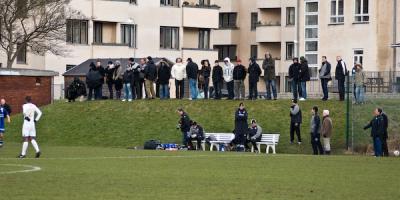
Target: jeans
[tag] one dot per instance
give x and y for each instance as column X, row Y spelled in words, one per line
column 179, row 89
column 271, row 84
column 324, row 84
column 128, row 91
column 294, row 128
column 341, row 89
column 253, row 93
column 316, row 144
column 377, row 146
column 239, row 89
column 110, row 90
column 230, row 86
column 193, row 88
column 151, row 94
column 164, row 91
column 185, row 138
column 217, row 90
column 295, row 89
column 360, row 94
column 303, row 93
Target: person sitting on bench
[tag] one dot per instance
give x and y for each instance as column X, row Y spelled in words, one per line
column 196, row 133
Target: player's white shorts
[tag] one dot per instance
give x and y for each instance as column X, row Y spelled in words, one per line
column 28, row 129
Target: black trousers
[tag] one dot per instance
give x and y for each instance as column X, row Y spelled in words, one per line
column 341, row 89
column 206, row 85
column 316, row 144
column 253, row 92
column 110, row 90
column 180, row 89
column 230, row 86
column 198, row 140
column 217, row 90
column 293, row 129
column 137, row 92
column 253, row 142
column 385, row 148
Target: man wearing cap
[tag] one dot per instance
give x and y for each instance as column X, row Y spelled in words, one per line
column 228, row 77
column 239, row 74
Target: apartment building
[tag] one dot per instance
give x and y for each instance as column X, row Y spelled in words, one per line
column 358, row 30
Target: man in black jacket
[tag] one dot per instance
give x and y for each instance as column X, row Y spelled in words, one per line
column 325, row 76
column 192, row 71
column 184, row 125
column 217, row 78
column 385, row 149
column 304, row 76
column 150, row 75
column 315, row 132
column 254, row 76
column 340, row 75
column 94, row 81
column 295, row 121
column 239, row 74
column 294, row 70
column 377, row 131
column 164, row 74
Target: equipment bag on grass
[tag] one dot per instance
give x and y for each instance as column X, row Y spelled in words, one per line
column 152, row 144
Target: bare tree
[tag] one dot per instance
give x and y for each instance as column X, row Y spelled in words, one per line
column 35, row 24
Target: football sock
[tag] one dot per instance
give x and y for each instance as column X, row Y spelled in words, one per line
column 24, row 148
column 35, row 145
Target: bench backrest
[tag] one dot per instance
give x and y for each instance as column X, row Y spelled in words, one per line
column 222, row 136
column 270, row 138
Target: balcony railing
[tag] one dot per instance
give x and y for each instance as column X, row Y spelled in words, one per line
column 189, row 5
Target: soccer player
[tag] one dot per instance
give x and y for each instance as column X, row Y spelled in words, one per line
column 3, row 114
column 28, row 128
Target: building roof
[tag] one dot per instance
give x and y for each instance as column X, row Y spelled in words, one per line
column 83, row 68
column 26, row 72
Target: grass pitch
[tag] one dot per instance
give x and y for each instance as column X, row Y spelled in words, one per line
column 115, row 173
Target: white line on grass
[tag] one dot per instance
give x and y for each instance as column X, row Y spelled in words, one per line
column 31, row 168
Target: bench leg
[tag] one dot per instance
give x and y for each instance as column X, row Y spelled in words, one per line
column 273, row 149
column 259, row 148
column 252, row 148
column 203, row 146
column 211, row 146
column 267, row 150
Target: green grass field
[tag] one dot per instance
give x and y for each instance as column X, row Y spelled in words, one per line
column 115, row 173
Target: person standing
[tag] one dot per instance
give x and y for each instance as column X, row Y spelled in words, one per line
column 295, row 121
column 127, row 79
column 164, row 74
column 315, row 132
column 254, row 135
column 217, row 78
column 109, row 78
column 142, row 89
column 239, row 74
column 254, row 76
column 326, row 131
column 294, row 78
column 204, row 77
column 192, row 71
column 3, row 114
column 150, row 77
column 377, row 131
column 178, row 72
column 117, row 78
column 241, row 126
column 135, row 74
column 5, row 106
column 269, row 76
column 359, row 81
column 304, row 76
column 340, row 75
column 385, row 149
column 102, row 71
column 184, row 125
column 228, row 77
column 325, row 76
column 31, row 114
column 94, row 81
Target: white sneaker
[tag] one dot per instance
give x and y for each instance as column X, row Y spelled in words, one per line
column 123, row 99
column 129, row 100
column 302, row 99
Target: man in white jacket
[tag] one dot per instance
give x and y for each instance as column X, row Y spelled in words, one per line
column 28, row 128
column 228, row 76
column 178, row 72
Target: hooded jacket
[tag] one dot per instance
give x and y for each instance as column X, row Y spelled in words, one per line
column 228, row 70
column 295, row 114
column 94, row 78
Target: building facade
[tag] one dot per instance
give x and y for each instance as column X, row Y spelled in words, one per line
column 358, row 30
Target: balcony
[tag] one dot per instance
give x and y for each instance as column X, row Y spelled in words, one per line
column 268, row 33
column 226, row 36
column 200, row 54
column 201, row 16
column 269, row 3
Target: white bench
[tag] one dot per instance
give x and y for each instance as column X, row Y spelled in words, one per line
column 271, row 140
column 221, row 138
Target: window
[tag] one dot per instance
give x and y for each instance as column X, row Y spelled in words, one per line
column 337, row 8
column 254, row 51
column 290, row 16
column 204, row 2
column 289, row 50
column 68, row 67
column 254, row 21
column 311, row 36
column 227, row 20
column 98, row 33
column 362, row 10
column 21, row 55
column 174, row 3
column 169, row 37
column 133, row 2
column 358, row 56
column 226, row 51
column 77, row 31
column 128, row 34
column 311, row 32
column 204, row 39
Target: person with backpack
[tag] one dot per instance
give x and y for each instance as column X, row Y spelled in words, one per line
column 254, row 76
column 295, row 121
column 109, row 78
column 217, row 78
column 94, row 81
column 127, row 79
column 241, row 126
column 118, row 78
